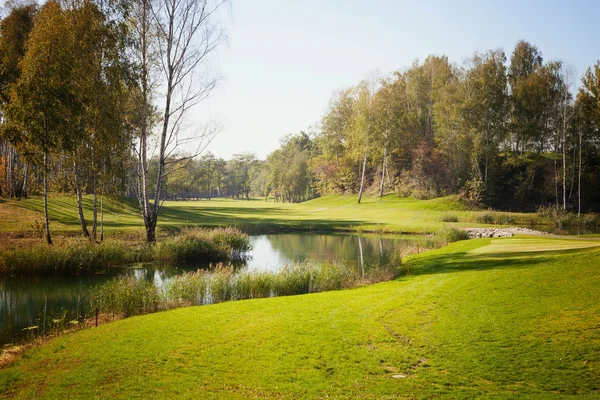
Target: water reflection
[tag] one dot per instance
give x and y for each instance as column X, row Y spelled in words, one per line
column 272, row 252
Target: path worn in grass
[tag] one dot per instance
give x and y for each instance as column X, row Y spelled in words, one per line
column 476, row 319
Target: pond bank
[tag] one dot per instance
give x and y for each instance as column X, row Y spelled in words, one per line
column 478, row 233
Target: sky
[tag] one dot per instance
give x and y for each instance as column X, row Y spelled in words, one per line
column 285, row 58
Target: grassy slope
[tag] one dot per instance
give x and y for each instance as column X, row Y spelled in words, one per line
column 333, row 212
column 478, row 318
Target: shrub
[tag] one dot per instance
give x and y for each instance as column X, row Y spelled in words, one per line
column 195, row 244
column 590, row 219
column 449, row 218
column 485, row 218
column 451, row 235
column 504, row 219
column 557, row 216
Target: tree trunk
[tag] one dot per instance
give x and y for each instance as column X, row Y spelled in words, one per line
column 24, row 185
column 95, row 210
column 11, row 176
column 102, row 216
column 579, row 179
column 142, row 167
column 150, row 228
column 362, row 179
column 82, row 222
column 564, row 164
column 383, row 167
column 556, row 182
column 46, row 217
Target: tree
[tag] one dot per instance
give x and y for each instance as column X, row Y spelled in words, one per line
column 42, row 102
column 14, row 31
column 186, row 35
column 486, row 108
column 524, row 62
column 364, row 125
column 587, row 108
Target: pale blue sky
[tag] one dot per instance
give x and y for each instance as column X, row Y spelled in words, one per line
column 285, row 58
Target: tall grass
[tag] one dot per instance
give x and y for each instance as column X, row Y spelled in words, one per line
column 197, row 244
column 561, row 218
column 449, row 217
column 80, row 257
column 75, row 257
column 125, row 296
column 496, row 218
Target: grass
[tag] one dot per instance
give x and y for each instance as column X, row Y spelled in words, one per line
column 501, row 318
column 391, row 214
column 128, row 296
column 80, row 257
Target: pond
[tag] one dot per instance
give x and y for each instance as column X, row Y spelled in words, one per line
column 30, row 302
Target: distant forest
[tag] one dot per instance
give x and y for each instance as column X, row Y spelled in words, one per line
column 503, row 132
column 507, row 134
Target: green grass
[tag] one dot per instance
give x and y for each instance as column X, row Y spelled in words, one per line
column 389, row 214
column 501, row 318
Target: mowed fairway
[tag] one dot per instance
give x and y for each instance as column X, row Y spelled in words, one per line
column 481, row 318
column 391, row 214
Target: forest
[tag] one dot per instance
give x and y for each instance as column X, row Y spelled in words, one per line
column 93, row 95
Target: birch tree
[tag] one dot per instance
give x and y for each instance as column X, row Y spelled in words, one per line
column 184, row 34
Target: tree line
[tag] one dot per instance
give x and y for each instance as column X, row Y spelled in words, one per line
column 503, row 132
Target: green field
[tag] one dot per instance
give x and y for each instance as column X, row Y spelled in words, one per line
column 502, row 318
column 390, row 214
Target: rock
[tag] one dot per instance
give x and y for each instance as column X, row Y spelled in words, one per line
column 477, row 233
column 398, row 376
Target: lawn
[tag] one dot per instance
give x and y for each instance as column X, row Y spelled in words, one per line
column 389, row 214
column 502, row 318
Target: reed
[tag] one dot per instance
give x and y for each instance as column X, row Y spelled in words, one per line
column 80, row 257
column 126, row 296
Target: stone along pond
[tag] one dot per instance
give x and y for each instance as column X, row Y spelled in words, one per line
column 27, row 304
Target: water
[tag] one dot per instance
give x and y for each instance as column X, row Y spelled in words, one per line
column 28, row 305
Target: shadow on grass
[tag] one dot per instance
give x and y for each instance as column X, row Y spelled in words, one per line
column 247, row 218
column 464, row 261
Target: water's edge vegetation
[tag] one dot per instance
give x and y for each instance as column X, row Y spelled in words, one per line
column 126, row 295
column 80, row 257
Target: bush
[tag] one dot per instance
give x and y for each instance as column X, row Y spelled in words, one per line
column 450, row 235
column 590, row 219
column 449, row 218
column 504, row 219
column 557, row 216
column 196, row 244
column 485, row 218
